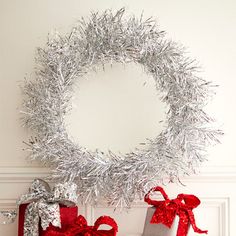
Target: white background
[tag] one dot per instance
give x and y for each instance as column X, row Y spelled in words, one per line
column 206, row 28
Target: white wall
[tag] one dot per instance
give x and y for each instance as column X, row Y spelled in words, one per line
column 207, row 28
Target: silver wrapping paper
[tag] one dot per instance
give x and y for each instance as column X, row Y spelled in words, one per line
column 7, row 216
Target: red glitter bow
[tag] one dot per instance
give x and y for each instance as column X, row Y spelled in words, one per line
column 81, row 228
column 167, row 210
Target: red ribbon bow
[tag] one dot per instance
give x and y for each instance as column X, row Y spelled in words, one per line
column 167, row 210
column 81, row 228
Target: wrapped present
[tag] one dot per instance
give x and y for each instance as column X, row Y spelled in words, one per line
column 67, row 217
column 158, row 229
column 42, row 210
column 163, row 215
column 81, row 228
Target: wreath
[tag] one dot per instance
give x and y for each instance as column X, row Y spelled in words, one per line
column 105, row 38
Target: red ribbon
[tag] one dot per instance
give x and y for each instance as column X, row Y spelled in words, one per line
column 167, row 210
column 81, row 228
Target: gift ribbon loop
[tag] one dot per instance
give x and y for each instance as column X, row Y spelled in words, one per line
column 167, row 210
column 107, row 221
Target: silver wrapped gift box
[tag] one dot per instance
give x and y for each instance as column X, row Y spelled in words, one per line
column 158, row 229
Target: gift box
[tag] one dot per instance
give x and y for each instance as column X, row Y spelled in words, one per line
column 81, row 228
column 42, row 210
column 68, row 215
column 163, row 230
column 161, row 218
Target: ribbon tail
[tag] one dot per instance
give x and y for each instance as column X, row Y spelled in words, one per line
column 49, row 213
column 193, row 223
column 31, row 221
column 183, row 224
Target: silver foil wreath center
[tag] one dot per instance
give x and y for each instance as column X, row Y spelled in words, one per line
column 106, row 38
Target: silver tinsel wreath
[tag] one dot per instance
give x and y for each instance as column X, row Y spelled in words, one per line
column 106, row 38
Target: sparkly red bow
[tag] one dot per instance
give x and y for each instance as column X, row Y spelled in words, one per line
column 167, row 210
column 81, row 228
